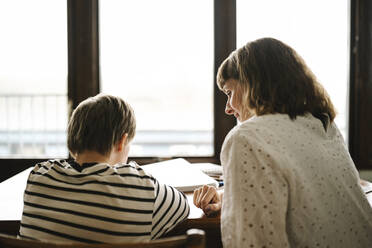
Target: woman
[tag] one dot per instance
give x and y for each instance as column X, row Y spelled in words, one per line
column 289, row 178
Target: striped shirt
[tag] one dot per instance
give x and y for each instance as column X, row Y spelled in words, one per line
column 98, row 203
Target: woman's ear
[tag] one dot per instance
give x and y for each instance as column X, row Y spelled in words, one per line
column 73, row 155
column 122, row 142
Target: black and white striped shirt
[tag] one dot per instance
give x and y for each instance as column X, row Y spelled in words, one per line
column 98, row 203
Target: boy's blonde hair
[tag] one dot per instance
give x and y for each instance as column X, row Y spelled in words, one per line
column 98, row 123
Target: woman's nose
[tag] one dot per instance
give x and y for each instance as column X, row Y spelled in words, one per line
column 228, row 109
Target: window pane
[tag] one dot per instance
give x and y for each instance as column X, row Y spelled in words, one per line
column 33, row 74
column 317, row 30
column 158, row 56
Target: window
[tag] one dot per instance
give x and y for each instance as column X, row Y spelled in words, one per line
column 33, row 76
column 26, row 38
column 307, row 26
column 161, row 62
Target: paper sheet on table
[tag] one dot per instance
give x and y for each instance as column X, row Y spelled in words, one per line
column 180, row 174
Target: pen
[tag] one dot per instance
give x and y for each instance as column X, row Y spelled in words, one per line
column 220, row 183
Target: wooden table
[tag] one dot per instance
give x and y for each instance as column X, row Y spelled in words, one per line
column 11, row 207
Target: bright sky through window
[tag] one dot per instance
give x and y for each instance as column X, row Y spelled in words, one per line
column 158, row 55
column 33, row 78
column 318, row 30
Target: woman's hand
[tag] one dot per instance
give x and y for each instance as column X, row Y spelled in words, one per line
column 364, row 183
column 208, row 199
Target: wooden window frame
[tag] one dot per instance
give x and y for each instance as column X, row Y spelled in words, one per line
column 84, row 75
column 360, row 84
column 84, row 63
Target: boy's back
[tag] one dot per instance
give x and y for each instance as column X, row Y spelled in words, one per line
column 98, row 203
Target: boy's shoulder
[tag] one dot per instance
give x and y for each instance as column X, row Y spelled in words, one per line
column 131, row 167
column 50, row 164
column 64, row 172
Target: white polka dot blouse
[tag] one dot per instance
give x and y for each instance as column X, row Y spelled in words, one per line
column 291, row 183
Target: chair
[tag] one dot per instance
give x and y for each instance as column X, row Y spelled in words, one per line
column 194, row 238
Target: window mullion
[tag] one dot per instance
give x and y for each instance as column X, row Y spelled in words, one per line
column 224, row 44
column 360, row 118
column 83, row 53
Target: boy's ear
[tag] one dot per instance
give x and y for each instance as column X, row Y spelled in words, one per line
column 122, row 142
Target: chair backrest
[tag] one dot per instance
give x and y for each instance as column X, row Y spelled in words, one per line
column 194, row 238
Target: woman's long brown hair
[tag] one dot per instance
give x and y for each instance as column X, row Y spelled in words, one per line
column 276, row 80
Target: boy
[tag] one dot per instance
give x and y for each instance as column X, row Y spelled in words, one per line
column 96, row 197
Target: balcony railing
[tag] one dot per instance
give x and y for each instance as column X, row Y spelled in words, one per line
column 34, row 126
